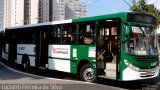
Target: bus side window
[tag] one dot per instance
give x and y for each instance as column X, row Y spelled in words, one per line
column 86, row 33
column 55, row 35
column 69, row 34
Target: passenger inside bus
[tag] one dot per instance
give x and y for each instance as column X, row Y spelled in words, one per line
column 87, row 38
column 70, row 36
column 116, row 56
column 109, row 48
column 114, row 47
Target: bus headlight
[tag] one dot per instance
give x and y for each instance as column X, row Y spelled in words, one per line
column 131, row 66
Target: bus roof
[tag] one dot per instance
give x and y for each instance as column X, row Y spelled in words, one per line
column 42, row 24
column 121, row 15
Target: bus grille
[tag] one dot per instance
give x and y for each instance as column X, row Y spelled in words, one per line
column 146, row 60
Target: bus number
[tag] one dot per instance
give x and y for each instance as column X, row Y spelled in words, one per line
column 21, row 48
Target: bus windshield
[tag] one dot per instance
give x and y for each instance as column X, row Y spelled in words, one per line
column 142, row 42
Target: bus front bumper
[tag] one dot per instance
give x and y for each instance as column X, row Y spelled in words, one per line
column 130, row 74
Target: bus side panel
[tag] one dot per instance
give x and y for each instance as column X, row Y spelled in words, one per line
column 59, row 65
column 29, row 50
column 59, row 57
column 82, row 52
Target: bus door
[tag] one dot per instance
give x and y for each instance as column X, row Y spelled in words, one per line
column 41, row 49
column 12, row 53
column 108, row 50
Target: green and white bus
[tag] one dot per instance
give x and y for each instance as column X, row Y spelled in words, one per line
column 120, row 46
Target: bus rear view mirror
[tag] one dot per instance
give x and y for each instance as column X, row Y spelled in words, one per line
column 127, row 33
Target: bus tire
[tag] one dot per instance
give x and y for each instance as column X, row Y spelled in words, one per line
column 25, row 62
column 87, row 73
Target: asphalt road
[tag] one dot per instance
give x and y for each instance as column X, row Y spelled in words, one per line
column 11, row 79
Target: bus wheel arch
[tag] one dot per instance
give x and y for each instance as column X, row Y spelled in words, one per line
column 86, row 71
column 25, row 61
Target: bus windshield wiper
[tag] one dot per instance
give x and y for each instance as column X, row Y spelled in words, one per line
column 142, row 31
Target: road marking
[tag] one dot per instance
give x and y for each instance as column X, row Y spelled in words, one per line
column 39, row 75
column 55, row 78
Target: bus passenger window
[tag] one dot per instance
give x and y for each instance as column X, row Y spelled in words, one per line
column 55, row 35
column 69, row 34
column 86, row 34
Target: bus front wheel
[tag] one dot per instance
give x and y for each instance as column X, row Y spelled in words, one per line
column 87, row 73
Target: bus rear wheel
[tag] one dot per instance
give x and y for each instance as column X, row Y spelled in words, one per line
column 87, row 73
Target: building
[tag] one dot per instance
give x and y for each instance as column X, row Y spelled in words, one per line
column 1, row 14
column 51, row 10
column 75, row 9
column 11, row 14
column 30, row 11
column 44, row 10
column 55, row 10
column 18, row 12
column 22, row 12
column 58, row 10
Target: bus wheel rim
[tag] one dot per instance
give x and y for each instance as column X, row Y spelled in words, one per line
column 88, row 74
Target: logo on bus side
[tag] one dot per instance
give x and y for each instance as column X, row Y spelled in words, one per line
column 60, row 50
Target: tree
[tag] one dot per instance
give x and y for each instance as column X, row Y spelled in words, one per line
column 142, row 6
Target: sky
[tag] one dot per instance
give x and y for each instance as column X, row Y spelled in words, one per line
column 100, row 7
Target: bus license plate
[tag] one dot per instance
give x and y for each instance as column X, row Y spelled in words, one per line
column 149, row 73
